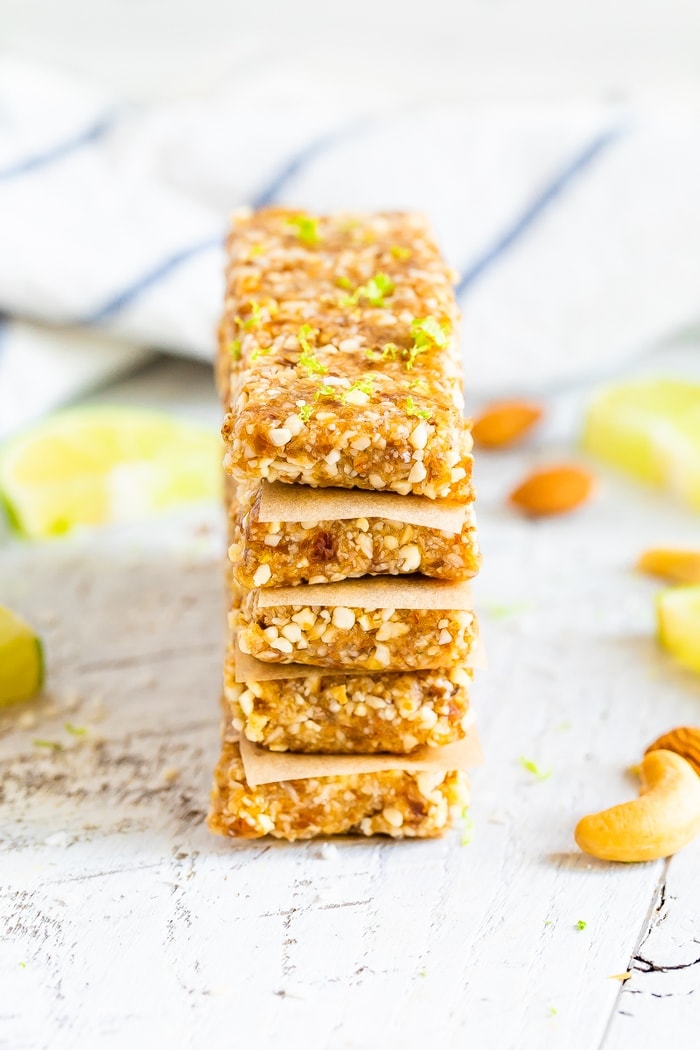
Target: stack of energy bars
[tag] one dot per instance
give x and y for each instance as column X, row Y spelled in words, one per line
column 352, row 535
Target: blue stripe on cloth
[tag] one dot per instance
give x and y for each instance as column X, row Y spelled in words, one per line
column 264, row 197
column 59, row 150
column 147, row 280
column 536, row 207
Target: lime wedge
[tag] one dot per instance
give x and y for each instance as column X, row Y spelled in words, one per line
column 651, row 430
column 96, row 465
column 678, row 610
column 21, row 660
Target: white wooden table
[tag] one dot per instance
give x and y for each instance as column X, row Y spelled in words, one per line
column 126, row 924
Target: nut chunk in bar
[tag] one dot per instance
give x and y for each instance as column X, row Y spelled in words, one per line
column 391, row 802
column 345, row 363
column 281, row 625
column 352, row 713
column 284, row 553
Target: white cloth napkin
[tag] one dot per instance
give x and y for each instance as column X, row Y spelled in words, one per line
column 576, row 229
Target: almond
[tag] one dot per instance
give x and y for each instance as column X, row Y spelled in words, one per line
column 677, row 566
column 505, row 422
column 554, row 490
column 685, row 741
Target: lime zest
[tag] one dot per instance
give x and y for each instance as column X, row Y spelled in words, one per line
column 260, row 351
column 428, row 334
column 51, row 745
column 399, row 252
column 304, row 412
column 375, row 290
column 307, row 358
column 306, row 229
column 234, row 348
column 581, row 924
column 254, row 317
column 467, row 824
column 531, row 767
column 75, row 730
column 363, row 384
column 413, row 410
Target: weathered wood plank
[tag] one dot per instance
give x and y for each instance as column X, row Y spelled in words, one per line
column 125, row 921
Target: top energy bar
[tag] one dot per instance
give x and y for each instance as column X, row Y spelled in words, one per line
column 339, row 349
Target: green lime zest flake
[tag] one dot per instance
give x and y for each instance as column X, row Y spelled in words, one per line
column 344, row 282
column 423, row 972
column 581, row 924
column 400, row 253
column 52, row 745
column 532, row 767
column 306, row 228
column 418, row 384
column 467, row 824
column 304, row 413
column 234, row 348
column 254, row 317
column 260, row 351
column 255, row 249
column 549, row 922
column 413, row 410
column 427, row 334
column 326, row 391
column 389, row 352
column 374, row 290
column 363, row 384
column 75, row 730
column 23, row 966
column 553, row 1011
column 307, row 358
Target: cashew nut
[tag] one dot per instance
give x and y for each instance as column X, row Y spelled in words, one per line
column 664, row 818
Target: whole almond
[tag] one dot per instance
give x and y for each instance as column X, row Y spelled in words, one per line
column 685, row 741
column 554, row 490
column 505, row 422
column 677, row 566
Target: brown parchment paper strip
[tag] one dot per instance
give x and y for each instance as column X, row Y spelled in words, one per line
column 249, row 669
column 269, row 767
column 280, row 502
column 373, row 592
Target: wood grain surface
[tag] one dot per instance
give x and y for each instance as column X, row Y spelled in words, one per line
column 126, row 924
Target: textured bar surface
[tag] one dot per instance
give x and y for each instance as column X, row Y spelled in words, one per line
column 277, row 554
column 394, row 802
column 342, row 636
column 356, row 713
column 339, row 339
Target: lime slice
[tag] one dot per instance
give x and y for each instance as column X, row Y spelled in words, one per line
column 21, row 660
column 678, row 610
column 651, row 430
column 95, row 465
